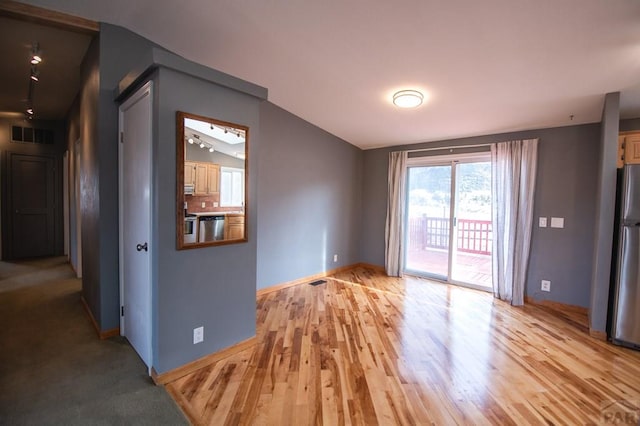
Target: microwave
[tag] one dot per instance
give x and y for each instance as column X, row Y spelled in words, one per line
column 189, row 188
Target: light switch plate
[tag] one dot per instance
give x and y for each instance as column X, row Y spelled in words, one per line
column 542, row 222
column 198, row 335
column 545, row 285
column 204, row 204
column 557, row 222
column 215, row 204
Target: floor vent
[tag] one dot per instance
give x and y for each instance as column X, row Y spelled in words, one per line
column 314, row 283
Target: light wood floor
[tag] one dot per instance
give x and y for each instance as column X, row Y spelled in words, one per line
column 367, row 349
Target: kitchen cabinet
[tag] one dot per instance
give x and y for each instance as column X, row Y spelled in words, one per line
column 206, row 177
column 213, row 178
column 234, row 227
column 201, row 180
column 189, row 173
column 631, row 142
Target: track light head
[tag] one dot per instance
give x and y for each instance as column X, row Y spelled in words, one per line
column 36, row 55
column 35, row 75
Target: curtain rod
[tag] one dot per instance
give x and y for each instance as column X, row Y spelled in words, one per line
column 450, row 147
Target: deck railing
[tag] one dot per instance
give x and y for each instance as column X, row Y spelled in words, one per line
column 474, row 236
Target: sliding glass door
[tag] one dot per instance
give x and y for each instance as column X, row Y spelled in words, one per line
column 429, row 213
column 448, row 223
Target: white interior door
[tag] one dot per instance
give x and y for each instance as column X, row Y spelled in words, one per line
column 135, row 221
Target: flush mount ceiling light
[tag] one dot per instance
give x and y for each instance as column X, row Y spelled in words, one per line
column 407, row 98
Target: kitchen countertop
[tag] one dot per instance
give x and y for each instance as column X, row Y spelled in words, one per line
column 199, row 214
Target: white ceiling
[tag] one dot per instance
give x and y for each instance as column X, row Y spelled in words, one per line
column 487, row 66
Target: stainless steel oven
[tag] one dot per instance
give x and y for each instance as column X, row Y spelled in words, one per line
column 190, row 231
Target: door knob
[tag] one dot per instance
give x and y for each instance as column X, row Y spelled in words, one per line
column 141, row 247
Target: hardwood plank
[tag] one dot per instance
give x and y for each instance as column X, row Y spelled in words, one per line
column 369, row 349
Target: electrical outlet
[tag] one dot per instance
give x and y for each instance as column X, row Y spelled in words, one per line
column 198, row 335
column 335, row 257
column 542, row 222
column 545, row 285
column 204, row 204
column 215, row 204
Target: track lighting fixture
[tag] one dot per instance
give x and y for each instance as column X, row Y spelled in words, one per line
column 201, row 144
column 36, row 56
column 34, row 73
column 211, row 149
column 190, row 140
column 34, row 76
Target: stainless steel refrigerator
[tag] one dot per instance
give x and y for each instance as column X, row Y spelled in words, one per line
column 625, row 319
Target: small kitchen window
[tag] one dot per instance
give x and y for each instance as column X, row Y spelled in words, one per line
column 231, row 187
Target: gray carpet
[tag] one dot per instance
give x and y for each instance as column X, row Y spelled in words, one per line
column 53, row 368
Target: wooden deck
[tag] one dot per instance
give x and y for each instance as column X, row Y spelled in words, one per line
column 366, row 349
column 468, row 268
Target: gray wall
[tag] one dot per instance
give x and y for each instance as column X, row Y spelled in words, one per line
column 89, row 181
column 115, row 62
column 565, row 187
column 309, row 198
column 566, row 184
column 630, row 124
column 603, row 228
column 105, row 63
column 214, row 287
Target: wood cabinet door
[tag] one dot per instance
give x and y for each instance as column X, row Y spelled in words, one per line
column 213, row 178
column 201, row 179
column 189, row 173
column 234, row 227
column 632, row 148
column 235, row 231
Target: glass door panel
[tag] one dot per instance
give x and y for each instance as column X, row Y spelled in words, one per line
column 471, row 254
column 428, row 220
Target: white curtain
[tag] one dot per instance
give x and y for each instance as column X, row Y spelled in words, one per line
column 513, row 185
column 394, row 231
